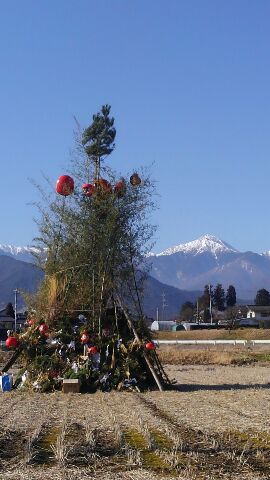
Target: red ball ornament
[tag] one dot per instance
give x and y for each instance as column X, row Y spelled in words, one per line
column 135, row 180
column 12, row 342
column 103, row 185
column 120, row 188
column 85, row 338
column 88, row 189
column 92, row 350
column 65, row 185
column 30, row 322
column 43, row 328
column 150, row 346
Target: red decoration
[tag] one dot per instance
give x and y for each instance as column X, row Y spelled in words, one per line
column 92, row 350
column 88, row 189
column 120, row 188
column 30, row 322
column 150, row 346
column 12, row 342
column 85, row 337
column 43, row 328
column 135, row 180
column 103, row 185
column 65, row 185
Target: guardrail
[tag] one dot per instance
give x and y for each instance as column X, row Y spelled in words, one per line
column 212, row 342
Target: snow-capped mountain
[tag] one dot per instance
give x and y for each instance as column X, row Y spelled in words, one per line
column 26, row 254
column 207, row 260
column 206, row 243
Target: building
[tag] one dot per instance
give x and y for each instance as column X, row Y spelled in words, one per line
column 8, row 323
column 166, row 325
column 258, row 315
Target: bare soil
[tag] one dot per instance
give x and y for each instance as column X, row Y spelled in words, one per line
column 214, row 425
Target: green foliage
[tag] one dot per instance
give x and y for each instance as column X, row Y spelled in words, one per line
column 95, row 244
column 219, row 297
column 187, row 311
column 98, row 138
column 231, row 296
column 262, row 298
column 9, row 310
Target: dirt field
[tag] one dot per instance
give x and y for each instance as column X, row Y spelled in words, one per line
column 214, row 426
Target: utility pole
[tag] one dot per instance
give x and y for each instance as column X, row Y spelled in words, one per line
column 164, row 305
column 16, row 291
column 157, row 314
column 210, row 303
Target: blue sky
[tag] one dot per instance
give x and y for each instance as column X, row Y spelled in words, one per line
column 188, row 81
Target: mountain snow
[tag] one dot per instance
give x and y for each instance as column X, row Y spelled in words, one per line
column 19, row 253
column 13, row 250
column 206, row 243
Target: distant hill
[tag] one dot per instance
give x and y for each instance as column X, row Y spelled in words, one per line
column 17, row 274
column 26, row 277
column 173, row 297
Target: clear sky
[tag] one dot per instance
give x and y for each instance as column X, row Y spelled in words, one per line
column 189, row 83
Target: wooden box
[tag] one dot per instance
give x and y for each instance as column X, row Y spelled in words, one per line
column 71, row 385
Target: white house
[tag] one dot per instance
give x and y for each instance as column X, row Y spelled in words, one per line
column 258, row 314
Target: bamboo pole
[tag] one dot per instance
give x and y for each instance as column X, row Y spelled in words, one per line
column 146, row 357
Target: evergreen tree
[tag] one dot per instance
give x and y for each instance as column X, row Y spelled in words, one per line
column 231, row 296
column 9, row 310
column 219, row 297
column 204, row 302
column 98, row 138
column 262, row 297
column 187, row 311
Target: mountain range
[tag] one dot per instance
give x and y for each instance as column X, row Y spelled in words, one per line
column 209, row 260
column 179, row 273
column 17, row 274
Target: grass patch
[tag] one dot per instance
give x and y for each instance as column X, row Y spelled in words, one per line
column 161, row 440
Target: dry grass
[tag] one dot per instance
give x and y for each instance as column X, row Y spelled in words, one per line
column 199, row 356
column 213, row 355
column 221, row 334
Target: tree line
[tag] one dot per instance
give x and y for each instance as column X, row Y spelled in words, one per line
column 215, row 299
column 212, row 298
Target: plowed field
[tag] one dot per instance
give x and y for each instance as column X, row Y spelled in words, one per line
column 215, row 425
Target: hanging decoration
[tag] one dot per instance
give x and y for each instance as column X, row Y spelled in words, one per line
column 12, row 342
column 150, row 346
column 88, row 189
column 43, row 329
column 120, row 188
column 135, row 180
column 65, row 185
column 85, row 337
column 103, row 185
column 92, row 350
